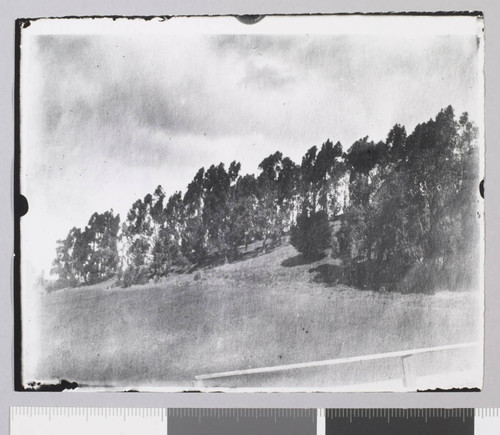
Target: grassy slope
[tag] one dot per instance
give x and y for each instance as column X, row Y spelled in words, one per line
column 251, row 313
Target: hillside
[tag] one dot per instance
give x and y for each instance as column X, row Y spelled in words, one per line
column 268, row 309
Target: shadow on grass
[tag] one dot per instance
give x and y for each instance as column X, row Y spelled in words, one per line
column 214, row 259
column 299, row 260
column 330, row 274
column 246, row 254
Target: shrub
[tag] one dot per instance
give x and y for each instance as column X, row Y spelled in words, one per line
column 134, row 275
column 311, row 235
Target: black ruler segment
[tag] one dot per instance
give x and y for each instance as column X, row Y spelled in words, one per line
column 242, row 421
column 399, row 421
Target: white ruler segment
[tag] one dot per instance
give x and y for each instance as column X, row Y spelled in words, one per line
column 84, row 421
column 486, row 421
column 321, row 422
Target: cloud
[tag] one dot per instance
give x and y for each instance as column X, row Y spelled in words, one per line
column 246, row 46
column 266, row 77
column 111, row 93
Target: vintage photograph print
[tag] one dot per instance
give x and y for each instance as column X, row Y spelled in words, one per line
column 291, row 205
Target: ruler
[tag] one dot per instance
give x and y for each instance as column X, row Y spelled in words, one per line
column 250, row 421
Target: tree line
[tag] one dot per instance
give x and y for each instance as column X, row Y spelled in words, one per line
column 401, row 214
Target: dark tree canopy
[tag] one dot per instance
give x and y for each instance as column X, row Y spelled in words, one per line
column 311, row 235
column 400, row 214
column 90, row 255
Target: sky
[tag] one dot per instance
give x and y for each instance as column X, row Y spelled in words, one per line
column 105, row 118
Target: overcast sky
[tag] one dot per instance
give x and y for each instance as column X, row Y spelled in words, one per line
column 109, row 117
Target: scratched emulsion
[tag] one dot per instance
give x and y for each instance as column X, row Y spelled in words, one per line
column 206, row 202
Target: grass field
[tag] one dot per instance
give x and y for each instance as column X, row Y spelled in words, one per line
column 266, row 310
